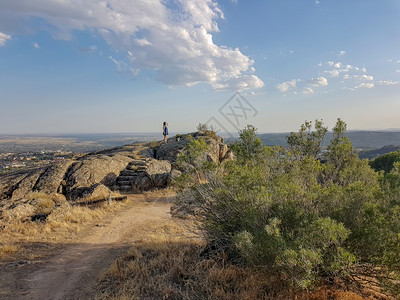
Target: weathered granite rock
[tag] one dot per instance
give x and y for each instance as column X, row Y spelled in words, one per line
column 96, row 191
column 43, row 205
column 161, row 180
column 58, row 199
column 223, row 149
column 91, row 170
column 51, row 179
column 25, row 186
column 158, row 167
column 171, row 150
column 18, row 212
column 9, row 182
column 229, row 156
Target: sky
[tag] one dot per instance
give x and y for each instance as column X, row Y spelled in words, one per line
column 122, row 66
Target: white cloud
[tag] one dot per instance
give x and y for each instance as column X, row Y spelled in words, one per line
column 366, row 85
column 342, row 52
column 348, row 88
column 287, row 85
column 320, row 65
column 333, row 73
column 308, row 90
column 320, row 81
column 36, row 45
column 142, row 42
column 121, row 65
column 387, row 82
column 240, row 83
column 316, row 2
column 3, row 38
column 397, row 71
column 174, row 41
column 363, row 77
column 338, row 65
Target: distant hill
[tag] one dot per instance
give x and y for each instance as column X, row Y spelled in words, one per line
column 371, row 154
column 366, row 140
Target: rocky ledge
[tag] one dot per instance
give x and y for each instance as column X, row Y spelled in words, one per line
column 128, row 169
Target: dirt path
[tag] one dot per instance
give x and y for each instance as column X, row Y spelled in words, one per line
column 72, row 272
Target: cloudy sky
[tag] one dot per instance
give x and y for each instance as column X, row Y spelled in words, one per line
column 91, row 66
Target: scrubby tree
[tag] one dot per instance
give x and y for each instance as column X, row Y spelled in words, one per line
column 340, row 150
column 248, row 145
column 307, row 142
column 202, row 127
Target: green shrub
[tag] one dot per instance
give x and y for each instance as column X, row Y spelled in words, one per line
column 300, row 218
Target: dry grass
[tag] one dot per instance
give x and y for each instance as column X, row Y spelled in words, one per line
column 19, row 238
column 177, row 270
column 171, row 264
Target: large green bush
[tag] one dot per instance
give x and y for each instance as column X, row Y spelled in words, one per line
column 304, row 220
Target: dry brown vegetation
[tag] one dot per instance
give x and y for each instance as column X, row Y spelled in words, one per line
column 172, row 265
column 19, row 238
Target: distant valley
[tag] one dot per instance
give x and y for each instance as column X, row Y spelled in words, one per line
column 75, row 143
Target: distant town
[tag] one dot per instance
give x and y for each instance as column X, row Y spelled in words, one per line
column 19, row 152
column 10, row 162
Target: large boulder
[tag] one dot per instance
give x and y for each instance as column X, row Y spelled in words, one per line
column 91, row 170
column 25, row 186
column 51, row 180
column 96, row 191
column 43, row 205
column 158, row 167
column 171, row 150
column 18, row 212
column 9, row 182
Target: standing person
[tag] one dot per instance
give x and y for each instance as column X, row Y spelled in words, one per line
column 165, row 132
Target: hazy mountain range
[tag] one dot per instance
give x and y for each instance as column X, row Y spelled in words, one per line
column 360, row 139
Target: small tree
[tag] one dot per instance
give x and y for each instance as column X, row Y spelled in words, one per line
column 248, row 144
column 340, row 150
column 307, row 142
column 202, row 127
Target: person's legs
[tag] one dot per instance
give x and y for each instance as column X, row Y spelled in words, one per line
column 165, row 138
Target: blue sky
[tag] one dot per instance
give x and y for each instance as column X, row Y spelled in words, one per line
column 77, row 66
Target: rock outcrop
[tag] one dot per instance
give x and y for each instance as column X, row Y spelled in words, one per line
column 144, row 174
column 128, row 169
column 91, row 170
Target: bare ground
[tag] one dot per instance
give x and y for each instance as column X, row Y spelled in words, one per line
column 71, row 272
